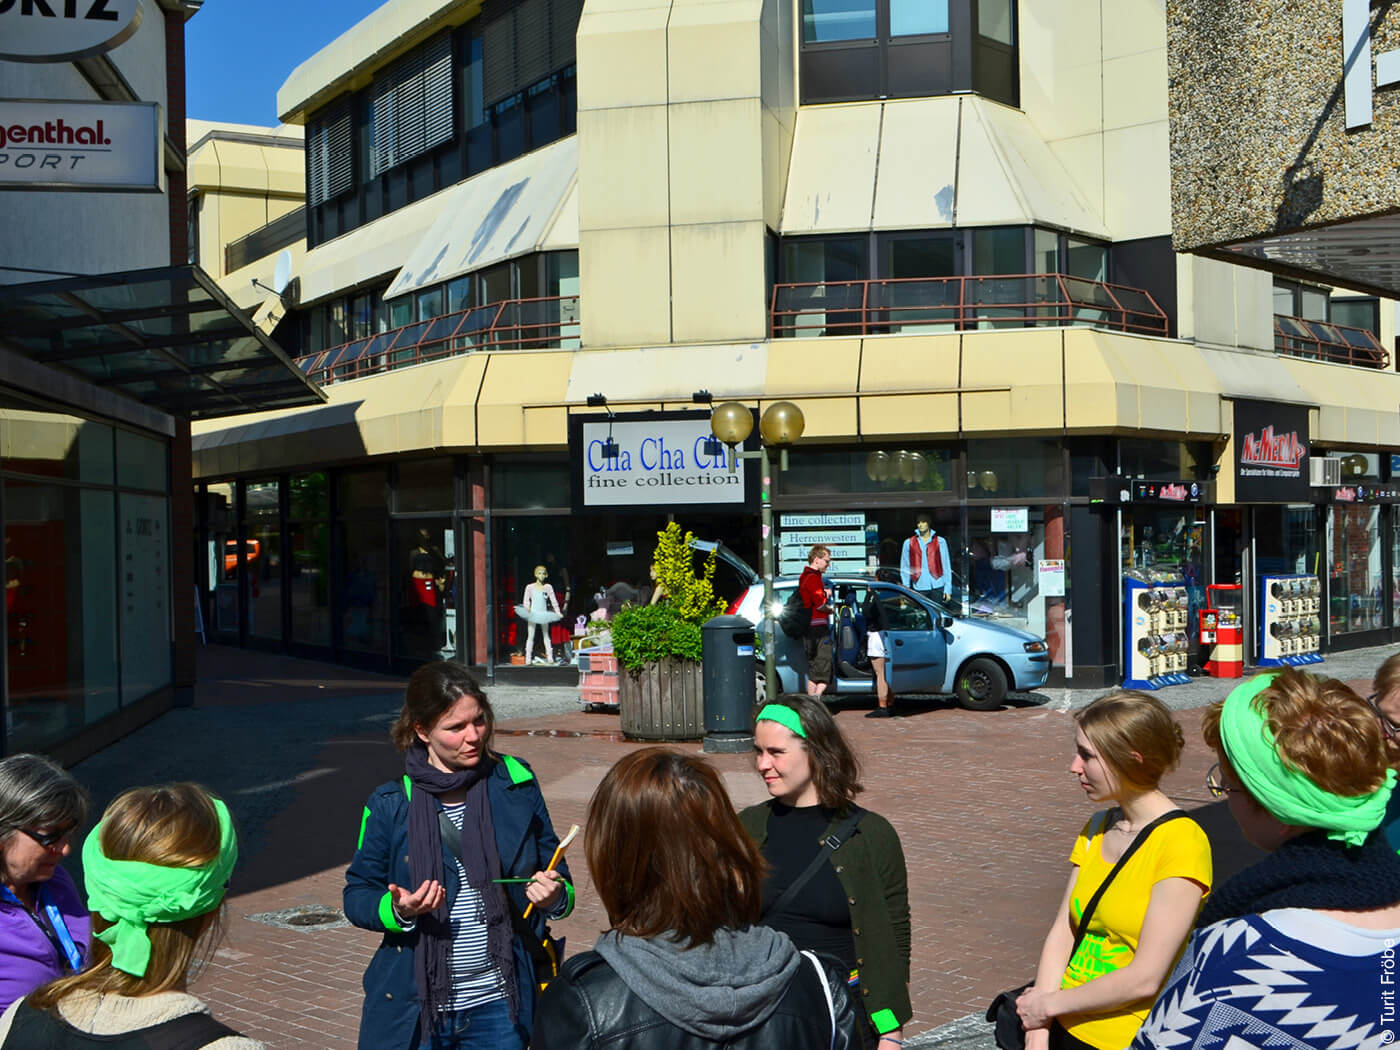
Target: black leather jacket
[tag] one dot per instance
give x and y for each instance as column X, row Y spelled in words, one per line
column 587, row 1006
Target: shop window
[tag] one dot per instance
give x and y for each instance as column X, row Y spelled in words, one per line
column 1395, row 569
column 530, row 485
column 1167, row 543
column 141, row 462
column 54, row 445
column 425, row 589
column 144, row 539
column 263, row 558
column 364, row 590
column 1165, row 460
column 1019, row 467
column 1007, row 577
column 1356, row 591
column 868, row 470
column 424, row 484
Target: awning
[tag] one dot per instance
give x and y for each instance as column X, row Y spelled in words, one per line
column 500, row 214
column 167, row 337
column 900, row 165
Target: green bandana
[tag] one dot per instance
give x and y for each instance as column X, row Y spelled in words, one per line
column 132, row 894
column 1284, row 791
column 784, row 716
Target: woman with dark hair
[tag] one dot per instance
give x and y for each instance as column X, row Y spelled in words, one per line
column 682, row 966
column 156, row 868
column 1099, row 972
column 838, row 884
column 449, row 859
column 43, row 922
column 1298, row 950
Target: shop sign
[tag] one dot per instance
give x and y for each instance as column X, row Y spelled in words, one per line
column 62, row 145
column 851, row 540
column 64, row 30
column 1169, row 492
column 661, row 462
column 1271, row 452
column 1010, row 519
column 1368, row 493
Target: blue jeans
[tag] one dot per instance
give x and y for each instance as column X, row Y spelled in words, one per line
column 485, row 1027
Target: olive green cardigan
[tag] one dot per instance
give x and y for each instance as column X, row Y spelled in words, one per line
column 870, row 865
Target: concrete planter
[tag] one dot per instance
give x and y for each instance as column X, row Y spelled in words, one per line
column 663, row 701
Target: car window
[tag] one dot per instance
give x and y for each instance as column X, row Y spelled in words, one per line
column 904, row 613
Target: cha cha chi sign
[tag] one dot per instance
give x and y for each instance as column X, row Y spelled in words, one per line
column 64, row 30
column 81, row 146
column 661, row 462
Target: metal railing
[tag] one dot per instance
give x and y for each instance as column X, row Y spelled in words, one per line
column 954, row 304
column 513, row 324
column 1323, row 341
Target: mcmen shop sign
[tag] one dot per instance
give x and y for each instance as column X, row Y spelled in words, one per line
column 661, row 461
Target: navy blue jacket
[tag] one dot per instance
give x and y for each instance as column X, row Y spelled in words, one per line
column 525, row 840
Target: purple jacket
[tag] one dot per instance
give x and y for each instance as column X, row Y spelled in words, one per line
column 27, row 957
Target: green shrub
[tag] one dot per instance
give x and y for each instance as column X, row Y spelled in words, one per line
column 644, row 634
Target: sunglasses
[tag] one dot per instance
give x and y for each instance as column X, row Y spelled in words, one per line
column 50, row 839
column 1215, row 783
column 1389, row 728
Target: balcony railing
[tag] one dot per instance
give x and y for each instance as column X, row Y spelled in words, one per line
column 515, row 324
column 954, row 304
column 1321, row 341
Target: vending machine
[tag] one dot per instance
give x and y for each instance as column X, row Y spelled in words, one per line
column 1290, row 620
column 1155, row 635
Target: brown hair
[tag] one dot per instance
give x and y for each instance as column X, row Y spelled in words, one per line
column 1321, row 728
column 835, row 767
column 1135, row 736
column 431, row 692
column 1387, row 678
column 700, row 874
column 819, row 550
column 173, row 826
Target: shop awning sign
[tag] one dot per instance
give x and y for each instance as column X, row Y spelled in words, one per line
column 1271, row 452
column 66, row 145
column 64, row 30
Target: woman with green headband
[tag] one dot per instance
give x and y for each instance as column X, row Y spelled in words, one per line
column 1297, row 951
column 156, row 869
column 851, row 902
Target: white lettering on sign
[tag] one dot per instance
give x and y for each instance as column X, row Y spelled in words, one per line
column 81, row 145
column 1356, row 63
column 658, row 462
column 64, row 30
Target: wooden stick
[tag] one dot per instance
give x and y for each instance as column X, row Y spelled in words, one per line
column 554, row 860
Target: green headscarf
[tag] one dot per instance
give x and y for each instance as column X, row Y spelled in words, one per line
column 1287, row 793
column 132, row 894
column 784, row 716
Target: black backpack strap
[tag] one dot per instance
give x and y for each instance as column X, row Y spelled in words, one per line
column 830, row 845
column 190, row 1032
column 35, row 1028
column 1138, row 840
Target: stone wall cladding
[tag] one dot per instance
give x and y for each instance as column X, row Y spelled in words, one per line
column 1259, row 143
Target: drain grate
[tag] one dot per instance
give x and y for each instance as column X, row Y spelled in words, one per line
column 306, row 917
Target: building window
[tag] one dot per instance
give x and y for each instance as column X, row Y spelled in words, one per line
column 1300, row 300
column 192, row 228
column 824, row 21
column 1358, row 312
column 329, row 154
column 411, row 106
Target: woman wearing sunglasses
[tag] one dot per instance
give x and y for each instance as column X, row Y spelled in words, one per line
column 1298, row 950
column 43, row 922
column 1385, row 702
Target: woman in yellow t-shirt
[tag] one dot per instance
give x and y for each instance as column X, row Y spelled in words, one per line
column 1124, row 744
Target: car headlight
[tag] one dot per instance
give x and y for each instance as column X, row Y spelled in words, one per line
column 1035, row 647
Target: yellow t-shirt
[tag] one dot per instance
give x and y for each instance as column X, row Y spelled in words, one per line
column 1176, row 849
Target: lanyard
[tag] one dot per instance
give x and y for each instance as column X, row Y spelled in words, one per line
column 57, row 929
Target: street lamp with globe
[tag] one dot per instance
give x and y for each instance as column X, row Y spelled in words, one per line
column 781, row 425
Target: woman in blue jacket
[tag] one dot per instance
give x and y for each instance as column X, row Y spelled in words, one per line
column 456, row 968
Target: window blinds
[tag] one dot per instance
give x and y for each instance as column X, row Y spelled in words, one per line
column 524, row 41
column 411, row 105
column 329, row 169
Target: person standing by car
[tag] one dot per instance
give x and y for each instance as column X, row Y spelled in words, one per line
column 837, row 883
column 877, row 647
column 817, row 599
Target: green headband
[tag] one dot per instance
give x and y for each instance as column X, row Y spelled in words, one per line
column 1287, row 793
column 784, row 716
column 133, row 894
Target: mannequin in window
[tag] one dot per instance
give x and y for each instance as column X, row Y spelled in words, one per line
column 658, row 589
column 539, row 609
column 924, row 564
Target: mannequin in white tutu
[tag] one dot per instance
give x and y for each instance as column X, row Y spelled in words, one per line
column 540, row 608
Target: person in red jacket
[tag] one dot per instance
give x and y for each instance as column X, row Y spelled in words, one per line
column 817, row 599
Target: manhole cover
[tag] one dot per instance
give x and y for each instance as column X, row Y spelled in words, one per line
column 306, row 917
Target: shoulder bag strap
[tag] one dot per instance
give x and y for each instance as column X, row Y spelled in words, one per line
column 1138, row 840
column 830, row 845
column 826, row 991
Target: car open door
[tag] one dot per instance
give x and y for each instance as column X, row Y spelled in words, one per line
column 917, row 653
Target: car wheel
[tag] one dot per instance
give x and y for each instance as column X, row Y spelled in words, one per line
column 981, row 685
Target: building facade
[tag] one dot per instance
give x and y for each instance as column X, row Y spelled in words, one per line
column 943, row 230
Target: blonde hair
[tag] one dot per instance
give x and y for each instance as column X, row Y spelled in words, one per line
column 1135, row 736
column 173, row 826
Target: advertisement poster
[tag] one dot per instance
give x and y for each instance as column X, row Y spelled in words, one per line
column 1051, row 574
column 1010, row 519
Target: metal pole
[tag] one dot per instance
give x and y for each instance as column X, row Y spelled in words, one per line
column 770, row 663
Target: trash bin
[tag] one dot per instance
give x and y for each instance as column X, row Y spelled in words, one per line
column 727, row 679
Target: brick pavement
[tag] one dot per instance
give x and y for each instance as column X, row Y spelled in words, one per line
column 984, row 804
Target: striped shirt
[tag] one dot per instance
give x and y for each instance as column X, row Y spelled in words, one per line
column 475, row 979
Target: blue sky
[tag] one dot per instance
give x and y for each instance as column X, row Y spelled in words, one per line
column 238, row 52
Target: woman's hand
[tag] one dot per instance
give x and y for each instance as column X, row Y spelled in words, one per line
column 427, row 897
column 1037, row 1039
column 544, row 888
column 1034, row 1008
